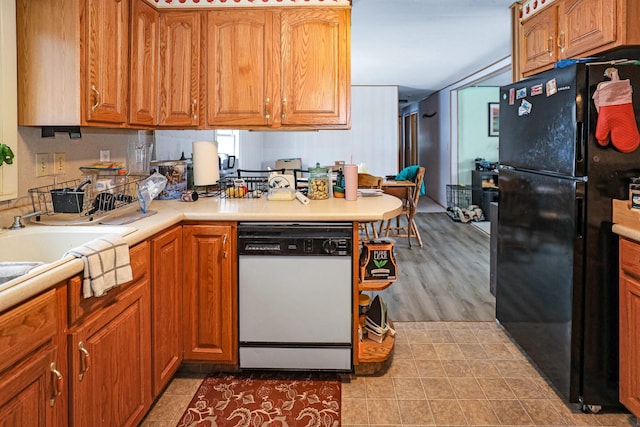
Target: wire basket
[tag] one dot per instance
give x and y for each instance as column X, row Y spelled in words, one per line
column 249, row 184
column 243, row 188
column 95, row 199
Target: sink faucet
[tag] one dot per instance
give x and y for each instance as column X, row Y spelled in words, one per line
column 17, row 220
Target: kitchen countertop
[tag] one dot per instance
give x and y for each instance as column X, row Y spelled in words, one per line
column 626, row 221
column 170, row 212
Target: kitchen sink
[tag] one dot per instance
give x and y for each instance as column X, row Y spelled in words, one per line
column 47, row 244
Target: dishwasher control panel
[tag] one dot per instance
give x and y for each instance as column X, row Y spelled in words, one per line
column 295, row 239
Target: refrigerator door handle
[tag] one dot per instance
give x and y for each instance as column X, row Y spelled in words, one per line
column 580, row 217
column 580, row 142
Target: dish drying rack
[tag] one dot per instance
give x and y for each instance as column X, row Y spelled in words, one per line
column 93, row 201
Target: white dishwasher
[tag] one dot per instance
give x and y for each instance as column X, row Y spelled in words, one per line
column 295, row 296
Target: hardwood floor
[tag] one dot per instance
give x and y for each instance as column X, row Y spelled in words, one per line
column 447, row 279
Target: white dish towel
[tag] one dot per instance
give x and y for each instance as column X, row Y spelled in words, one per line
column 106, row 264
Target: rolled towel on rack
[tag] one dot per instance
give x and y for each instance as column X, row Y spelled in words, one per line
column 106, row 264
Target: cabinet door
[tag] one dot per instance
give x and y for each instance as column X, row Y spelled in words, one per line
column 585, row 25
column 166, row 303
column 32, row 389
column 316, row 85
column 539, row 40
column 240, row 69
column 143, row 97
column 210, row 293
column 104, row 46
column 630, row 325
column 26, row 391
column 179, row 68
column 110, row 362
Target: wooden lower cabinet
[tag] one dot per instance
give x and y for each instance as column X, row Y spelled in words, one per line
column 210, row 293
column 110, row 353
column 32, row 375
column 166, row 306
column 630, row 325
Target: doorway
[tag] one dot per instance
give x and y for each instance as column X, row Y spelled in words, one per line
column 408, row 143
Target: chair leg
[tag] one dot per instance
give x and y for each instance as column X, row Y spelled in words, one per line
column 414, row 227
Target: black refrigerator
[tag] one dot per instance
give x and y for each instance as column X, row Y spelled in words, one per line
column 557, row 257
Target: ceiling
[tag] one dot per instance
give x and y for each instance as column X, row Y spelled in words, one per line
column 422, row 46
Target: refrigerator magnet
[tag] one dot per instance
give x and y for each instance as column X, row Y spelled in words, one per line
column 512, row 96
column 521, row 93
column 536, row 90
column 525, row 108
column 552, row 88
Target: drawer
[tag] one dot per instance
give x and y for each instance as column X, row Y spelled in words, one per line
column 27, row 327
column 630, row 257
column 80, row 307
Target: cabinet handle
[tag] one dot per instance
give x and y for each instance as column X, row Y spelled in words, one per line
column 58, row 383
column 550, row 46
column 85, row 360
column 561, row 41
column 193, row 109
column 224, row 243
column 97, row 92
column 284, row 108
column 266, row 109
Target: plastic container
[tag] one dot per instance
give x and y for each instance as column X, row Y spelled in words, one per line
column 319, row 183
column 176, row 173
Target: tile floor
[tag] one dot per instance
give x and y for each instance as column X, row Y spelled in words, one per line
column 442, row 374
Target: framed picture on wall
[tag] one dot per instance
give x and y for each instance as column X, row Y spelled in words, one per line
column 494, row 119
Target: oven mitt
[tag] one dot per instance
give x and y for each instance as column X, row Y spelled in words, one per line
column 616, row 118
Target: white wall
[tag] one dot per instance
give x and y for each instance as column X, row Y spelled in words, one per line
column 372, row 139
column 438, row 136
column 473, row 132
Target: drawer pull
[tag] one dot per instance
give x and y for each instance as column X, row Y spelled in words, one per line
column 58, row 383
column 85, row 360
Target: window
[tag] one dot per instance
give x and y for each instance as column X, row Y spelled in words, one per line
column 228, row 141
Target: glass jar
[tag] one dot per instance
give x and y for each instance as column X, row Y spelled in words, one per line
column 318, row 183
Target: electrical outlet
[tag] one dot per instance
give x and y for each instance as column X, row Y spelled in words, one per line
column 42, row 164
column 105, row 155
column 59, row 163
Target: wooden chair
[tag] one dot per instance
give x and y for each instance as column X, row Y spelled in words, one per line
column 366, row 180
column 410, row 229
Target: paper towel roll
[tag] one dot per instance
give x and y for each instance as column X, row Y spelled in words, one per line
column 302, row 198
column 351, row 182
column 205, row 163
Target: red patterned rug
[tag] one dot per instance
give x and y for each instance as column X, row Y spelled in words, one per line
column 243, row 400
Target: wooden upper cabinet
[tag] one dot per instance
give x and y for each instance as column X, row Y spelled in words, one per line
column 73, row 62
column 105, row 51
column 143, row 93
column 576, row 28
column 179, row 68
column 286, row 68
column 316, row 84
column 539, row 39
column 241, row 72
column 586, row 24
